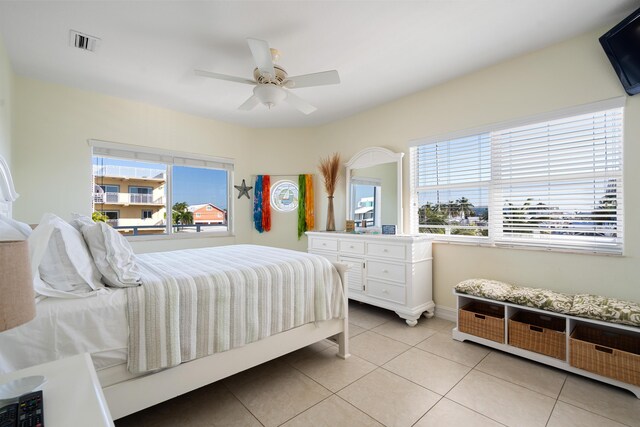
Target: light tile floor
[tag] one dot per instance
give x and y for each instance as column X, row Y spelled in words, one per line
column 397, row 376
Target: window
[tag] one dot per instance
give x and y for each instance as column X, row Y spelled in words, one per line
column 179, row 193
column 552, row 184
column 140, row 194
column 106, row 193
column 111, row 215
column 284, row 196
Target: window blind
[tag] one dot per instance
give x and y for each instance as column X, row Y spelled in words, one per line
column 553, row 182
column 451, row 181
column 155, row 155
column 558, row 184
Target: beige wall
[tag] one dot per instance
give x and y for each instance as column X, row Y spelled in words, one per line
column 6, row 83
column 567, row 74
column 51, row 156
column 52, row 168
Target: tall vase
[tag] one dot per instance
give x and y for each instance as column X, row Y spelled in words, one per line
column 331, row 219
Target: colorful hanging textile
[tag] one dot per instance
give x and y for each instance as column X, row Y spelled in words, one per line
column 308, row 203
column 302, row 222
column 266, row 203
column 257, row 204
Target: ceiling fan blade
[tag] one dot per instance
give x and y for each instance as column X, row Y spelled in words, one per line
column 250, row 103
column 262, row 56
column 299, row 103
column 315, row 79
column 223, row 77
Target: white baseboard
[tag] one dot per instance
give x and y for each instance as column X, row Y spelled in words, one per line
column 446, row 313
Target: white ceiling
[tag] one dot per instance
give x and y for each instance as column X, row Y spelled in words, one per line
column 383, row 50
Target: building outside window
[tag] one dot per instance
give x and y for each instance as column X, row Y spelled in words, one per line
column 554, row 184
column 147, row 174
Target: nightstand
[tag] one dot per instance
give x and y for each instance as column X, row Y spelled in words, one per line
column 72, row 393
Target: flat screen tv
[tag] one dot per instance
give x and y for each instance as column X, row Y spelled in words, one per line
column 622, row 46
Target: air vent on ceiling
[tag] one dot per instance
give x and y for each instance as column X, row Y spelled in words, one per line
column 83, row 41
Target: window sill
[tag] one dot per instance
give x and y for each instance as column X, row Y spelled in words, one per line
column 527, row 248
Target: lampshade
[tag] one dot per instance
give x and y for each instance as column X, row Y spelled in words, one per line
column 269, row 95
column 17, row 298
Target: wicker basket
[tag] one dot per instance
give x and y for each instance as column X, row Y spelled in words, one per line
column 482, row 320
column 539, row 333
column 605, row 353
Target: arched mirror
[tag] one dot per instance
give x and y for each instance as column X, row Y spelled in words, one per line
column 374, row 188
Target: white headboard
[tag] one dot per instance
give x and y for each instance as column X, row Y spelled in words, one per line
column 7, row 191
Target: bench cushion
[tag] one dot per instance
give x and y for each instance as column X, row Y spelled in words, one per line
column 544, row 299
column 606, row 309
column 490, row 289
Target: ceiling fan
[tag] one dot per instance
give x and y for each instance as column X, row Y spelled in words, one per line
column 271, row 81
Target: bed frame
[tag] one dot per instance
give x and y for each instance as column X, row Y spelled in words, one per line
column 142, row 392
column 138, row 393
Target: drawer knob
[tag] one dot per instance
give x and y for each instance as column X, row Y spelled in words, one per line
column 385, row 250
column 385, row 271
column 351, row 246
column 384, row 291
column 324, row 244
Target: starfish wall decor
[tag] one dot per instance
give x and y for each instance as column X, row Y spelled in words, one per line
column 243, row 190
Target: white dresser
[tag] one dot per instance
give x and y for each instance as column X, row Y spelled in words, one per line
column 392, row 272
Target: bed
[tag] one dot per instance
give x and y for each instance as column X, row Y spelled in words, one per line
column 211, row 312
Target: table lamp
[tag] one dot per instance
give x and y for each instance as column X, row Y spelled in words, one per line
column 17, row 301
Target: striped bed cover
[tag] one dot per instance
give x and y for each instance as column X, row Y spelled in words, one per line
column 197, row 302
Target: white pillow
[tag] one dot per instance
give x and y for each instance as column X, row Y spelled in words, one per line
column 7, row 232
column 38, row 247
column 20, row 227
column 77, row 221
column 112, row 254
column 67, row 264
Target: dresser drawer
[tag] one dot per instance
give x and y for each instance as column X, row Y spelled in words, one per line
column 351, row 247
column 386, row 271
column 324, row 244
column 386, row 291
column 386, row 251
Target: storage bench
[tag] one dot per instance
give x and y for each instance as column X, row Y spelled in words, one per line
column 605, row 351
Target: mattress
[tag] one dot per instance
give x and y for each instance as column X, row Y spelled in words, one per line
column 196, row 302
column 99, row 325
column 65, row 327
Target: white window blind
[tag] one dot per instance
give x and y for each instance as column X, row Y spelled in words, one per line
column 559, row 183
column 155, row 155
column 452, row 185
column 554, row 184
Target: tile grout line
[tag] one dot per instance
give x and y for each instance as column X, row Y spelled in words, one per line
column 556, row 402
column 330, row 391
column 241, row 402
column 461, row 379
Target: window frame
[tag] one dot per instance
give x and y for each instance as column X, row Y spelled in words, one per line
column 170, row 158
column 490, row 240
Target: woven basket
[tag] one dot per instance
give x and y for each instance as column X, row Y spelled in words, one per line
column 539, row 333
column 482, row 320
column 605, row 353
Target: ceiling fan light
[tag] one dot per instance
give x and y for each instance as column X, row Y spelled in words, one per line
column 269, row 95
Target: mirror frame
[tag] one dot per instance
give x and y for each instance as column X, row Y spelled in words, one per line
column 373, row 156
